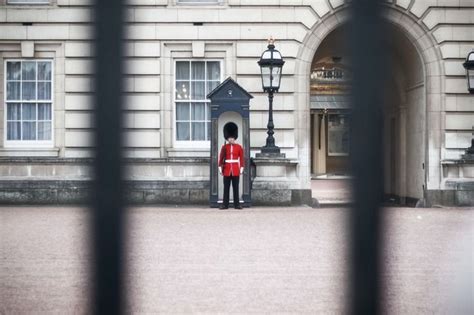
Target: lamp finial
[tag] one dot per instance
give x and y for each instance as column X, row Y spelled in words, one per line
column 271, row 41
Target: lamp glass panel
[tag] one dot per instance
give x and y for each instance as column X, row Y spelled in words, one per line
column 276, row 73
column 276, row 55
column 267, row 54
column 470, row 78
column 266, row 77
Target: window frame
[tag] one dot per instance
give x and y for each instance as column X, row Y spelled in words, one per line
column 28, row 143
column 206, row 144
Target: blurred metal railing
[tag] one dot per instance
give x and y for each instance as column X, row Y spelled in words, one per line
column 107, row 191
column 369, row 62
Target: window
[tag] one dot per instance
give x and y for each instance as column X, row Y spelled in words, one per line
column 28, row 102
column 338, row 134
column 28, row 1
column 194, row 80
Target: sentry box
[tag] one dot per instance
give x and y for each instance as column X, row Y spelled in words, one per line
column 229, row 106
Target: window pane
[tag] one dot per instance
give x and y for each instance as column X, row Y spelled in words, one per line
column 14, row 70
column 28, row 91
column 198, row 111
column 198, row 131
column 182, row 70
column 208, row 112
column 44, row 90
column 182, row 111
column 198, row 92
column 182, row 90
column 213, row 71
column 14, row 111
column 44, row 70
column 29, row 70
column 338, row 134
column 13, row 130
column 29, row 112
column 197, row 70
column 44, row 131
column 211, row 85
column 29, row 130
column 208, row 131
column 182, row 131
column 13, row 91
column 44, row 111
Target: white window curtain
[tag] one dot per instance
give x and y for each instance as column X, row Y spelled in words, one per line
column 194, row 80
column 29, row 100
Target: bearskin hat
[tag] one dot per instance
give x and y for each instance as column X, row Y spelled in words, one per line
column 231, row 130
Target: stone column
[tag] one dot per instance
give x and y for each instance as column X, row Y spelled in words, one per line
column 402, row 176
column 214, row 178
column 246, row 175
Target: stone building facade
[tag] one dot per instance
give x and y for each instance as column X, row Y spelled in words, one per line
column 178, row 50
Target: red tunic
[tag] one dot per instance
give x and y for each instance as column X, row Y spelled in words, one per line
column 231, row 159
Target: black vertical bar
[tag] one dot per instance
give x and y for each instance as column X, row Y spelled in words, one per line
column 367, row 122
column 108, row 210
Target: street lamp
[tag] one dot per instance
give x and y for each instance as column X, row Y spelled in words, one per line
column 271, row 64
column 469, row 65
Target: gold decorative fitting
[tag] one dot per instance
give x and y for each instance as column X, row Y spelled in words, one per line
column 271, row 41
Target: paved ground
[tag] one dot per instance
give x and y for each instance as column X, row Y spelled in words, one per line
column 262, row 260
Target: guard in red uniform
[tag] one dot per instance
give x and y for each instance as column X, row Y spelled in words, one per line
column 231, row 164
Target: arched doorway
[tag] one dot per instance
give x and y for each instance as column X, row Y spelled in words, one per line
column 406, row 119
column 330, row 107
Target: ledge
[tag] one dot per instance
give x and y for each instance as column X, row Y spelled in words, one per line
column 261, row 160
column 460, row 184
column 188, row 152
column 61, row 160
column 456, row 162
column 43, row 160
column 187, row 160
column 28, row 152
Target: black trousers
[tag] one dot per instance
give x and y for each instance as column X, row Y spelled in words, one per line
column 235, row 187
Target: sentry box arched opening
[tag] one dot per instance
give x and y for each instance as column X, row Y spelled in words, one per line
column 229, row 114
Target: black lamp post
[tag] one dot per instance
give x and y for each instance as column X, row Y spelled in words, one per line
column 469, row 65
column 271, row 64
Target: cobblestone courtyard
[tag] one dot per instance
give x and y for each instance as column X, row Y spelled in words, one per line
column 261, row 260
